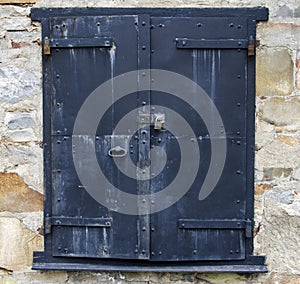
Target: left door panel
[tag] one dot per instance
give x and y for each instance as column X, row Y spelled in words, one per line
column 85, row 52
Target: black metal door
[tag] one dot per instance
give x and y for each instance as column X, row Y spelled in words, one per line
column 213, row 53
column 89, row 51
column 148, row 130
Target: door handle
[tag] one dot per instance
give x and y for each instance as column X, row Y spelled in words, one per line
column 117, row 152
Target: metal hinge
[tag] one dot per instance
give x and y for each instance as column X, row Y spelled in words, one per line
column 251, row 46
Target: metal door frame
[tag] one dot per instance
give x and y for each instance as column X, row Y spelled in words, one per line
column 44, row 260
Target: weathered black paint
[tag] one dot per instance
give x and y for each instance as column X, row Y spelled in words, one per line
column 211, row 235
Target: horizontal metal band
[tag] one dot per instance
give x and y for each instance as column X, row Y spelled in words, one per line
column 81, row 42
column 212, row 224
column 211, row 43
column 81, row 222
column 41, row 261
column 257, row 13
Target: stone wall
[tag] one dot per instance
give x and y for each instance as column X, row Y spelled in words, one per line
column 277, row 202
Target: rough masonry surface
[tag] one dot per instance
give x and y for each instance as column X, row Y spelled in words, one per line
column 277, row 163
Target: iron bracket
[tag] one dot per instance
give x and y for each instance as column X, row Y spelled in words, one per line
column 76, row 222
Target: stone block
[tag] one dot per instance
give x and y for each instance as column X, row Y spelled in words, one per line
column 7, row 11
column 275, row 75
column 23, row 135
column 17, row 84
column 17, row 244
column 277, row 155
column 261, row 188
column 15, row 155
column 282, row 112
column 285, row 12
column 23, row 36
column 19, row 120
column 279, row 34
column 31, row 220
column 280, row 195
column 16, row 196
column 273, row 173
column 279, row 234
column 15, row 24
column 33, row 178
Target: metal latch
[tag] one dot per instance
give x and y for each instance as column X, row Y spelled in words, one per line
column 47, row 48
column 159, row 120
column 155, row 119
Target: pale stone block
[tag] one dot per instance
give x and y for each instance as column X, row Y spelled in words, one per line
column 274, row 71
column 34, row 177
column 280, row 233
column 279, row 34
column 282, row 112
column 24, row 135
column 277, row 155
column 15, row 24
column 13, row 11
column 17, row 84
column 281, row 195
column 31, row 220
column 17, row 244
column 19, row 120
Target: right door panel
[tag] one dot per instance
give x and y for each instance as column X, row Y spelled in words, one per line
column 211, row 52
